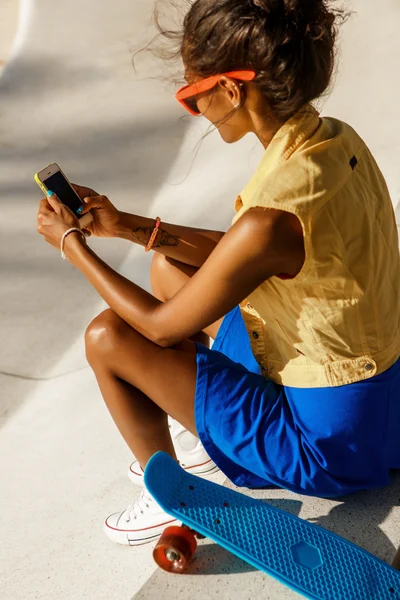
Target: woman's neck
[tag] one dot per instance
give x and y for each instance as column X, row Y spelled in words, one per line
column 259, row 118
column 264, row 128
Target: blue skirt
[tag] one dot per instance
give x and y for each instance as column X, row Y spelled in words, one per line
column 323, row 442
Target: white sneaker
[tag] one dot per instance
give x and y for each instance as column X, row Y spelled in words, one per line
column 189, row 451
column 141, row 523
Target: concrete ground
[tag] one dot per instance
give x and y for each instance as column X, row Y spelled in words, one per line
column 69, row 94
column 8, row 26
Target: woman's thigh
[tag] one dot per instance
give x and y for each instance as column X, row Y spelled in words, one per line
column 168, row 276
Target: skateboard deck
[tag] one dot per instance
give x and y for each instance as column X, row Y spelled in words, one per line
column 307, row 558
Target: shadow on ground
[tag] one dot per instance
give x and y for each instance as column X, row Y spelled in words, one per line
column 358, row 518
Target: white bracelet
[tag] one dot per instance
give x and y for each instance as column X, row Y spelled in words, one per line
column 65, row 235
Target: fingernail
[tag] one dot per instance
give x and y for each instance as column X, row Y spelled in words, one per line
column 80, row 209
column 50, row 193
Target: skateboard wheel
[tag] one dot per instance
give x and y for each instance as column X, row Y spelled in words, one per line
column 174, row 549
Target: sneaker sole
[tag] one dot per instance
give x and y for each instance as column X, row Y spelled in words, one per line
column 146, row 536
column 207, row 468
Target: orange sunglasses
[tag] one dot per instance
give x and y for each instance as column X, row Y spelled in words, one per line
column 187, row 95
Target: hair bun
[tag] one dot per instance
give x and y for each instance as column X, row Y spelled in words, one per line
column 310, row 18
column 273, row 6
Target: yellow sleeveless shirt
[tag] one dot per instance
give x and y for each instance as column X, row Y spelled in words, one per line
column 337, row 321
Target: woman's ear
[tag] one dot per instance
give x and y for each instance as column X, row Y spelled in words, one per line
column 232, row 89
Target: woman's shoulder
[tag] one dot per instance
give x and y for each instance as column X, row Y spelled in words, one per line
column 312, row 174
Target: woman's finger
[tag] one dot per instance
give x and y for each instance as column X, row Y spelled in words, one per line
column 83, row 191
column 55, row 203
column 96, row 202
column 47, row 218
column 44, row 206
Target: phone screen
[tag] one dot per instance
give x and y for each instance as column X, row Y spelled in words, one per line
column 60, row 186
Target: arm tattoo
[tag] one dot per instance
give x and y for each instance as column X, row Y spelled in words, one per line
column 166, row 239
column 142, row 235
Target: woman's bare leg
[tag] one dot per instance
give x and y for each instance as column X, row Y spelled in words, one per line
column 122, row 359
column 142, row 383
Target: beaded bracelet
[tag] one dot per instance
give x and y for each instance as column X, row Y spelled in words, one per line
column 65, row 235
column 153, row 235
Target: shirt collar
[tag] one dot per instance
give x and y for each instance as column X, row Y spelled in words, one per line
column 296, row 130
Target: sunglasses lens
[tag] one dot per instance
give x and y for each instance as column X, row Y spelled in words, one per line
column 192, row 104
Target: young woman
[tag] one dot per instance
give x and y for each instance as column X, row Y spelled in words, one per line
column 301, row 387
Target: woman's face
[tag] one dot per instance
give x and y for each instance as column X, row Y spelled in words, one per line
column 222, row 106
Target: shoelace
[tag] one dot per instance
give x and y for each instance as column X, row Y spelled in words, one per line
column 139, row 506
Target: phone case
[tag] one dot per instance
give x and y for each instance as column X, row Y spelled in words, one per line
column 85, row 219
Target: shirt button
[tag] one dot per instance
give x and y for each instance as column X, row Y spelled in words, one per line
column 255, row 335
column 369, row 367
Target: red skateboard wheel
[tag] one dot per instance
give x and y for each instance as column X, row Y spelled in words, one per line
column 174, row 549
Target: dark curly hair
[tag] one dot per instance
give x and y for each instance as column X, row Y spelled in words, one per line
column 289, row 43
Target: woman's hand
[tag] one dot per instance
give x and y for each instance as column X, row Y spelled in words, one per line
column 54, row 219
column 105, row 215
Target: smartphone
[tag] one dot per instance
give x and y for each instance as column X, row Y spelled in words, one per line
column 53, row 179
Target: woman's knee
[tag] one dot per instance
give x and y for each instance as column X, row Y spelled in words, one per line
column 102, row 336
column 160, row 269
column 168, row 275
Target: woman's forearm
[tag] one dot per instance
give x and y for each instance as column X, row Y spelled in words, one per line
column 187, row 244
column 130, row 302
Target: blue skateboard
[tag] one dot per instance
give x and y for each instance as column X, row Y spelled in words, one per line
column 309, row 559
